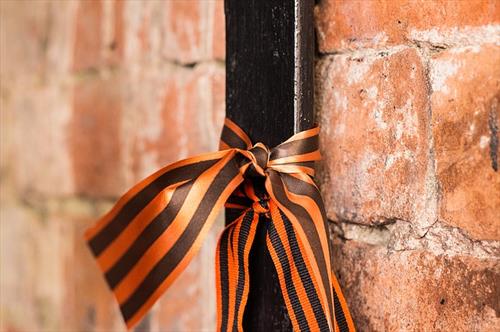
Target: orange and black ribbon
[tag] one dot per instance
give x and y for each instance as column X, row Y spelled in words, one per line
column 156, row 228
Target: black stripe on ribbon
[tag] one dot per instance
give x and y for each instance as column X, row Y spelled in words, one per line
column 278, row 247
column 304, row 274
column 307, row 224
column 242, row 242
column 104, row 238
column 173, row 257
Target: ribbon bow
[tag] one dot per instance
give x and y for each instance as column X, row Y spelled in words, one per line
column 156, row 228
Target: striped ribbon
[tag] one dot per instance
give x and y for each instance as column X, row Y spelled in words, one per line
column 156, row 228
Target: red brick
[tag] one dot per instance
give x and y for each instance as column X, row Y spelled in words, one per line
column 116, row 46
column 92, row 47
column 205, row 106
column 35, row 101
column 35, row 140
column 219, row 31
column 88, row 34
column 373, row 117
column 182, row 119
column 194, row 30
column 357, row 24
column 465, row 108
column 20, row 234
column 95, row 137
column 88, row 302
column 18, row 58
column 190, row 303
column 181, row 31
column 49, row 282
column 67, row 134
column 418, row 290
column 185, row 24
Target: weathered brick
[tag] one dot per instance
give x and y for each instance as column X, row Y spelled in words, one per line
column 358, row 24
column 181, row 116
column 99, row 34
column 19, row 309
column 49, row 282
column 35, row 33
column 177, row 30
column 88, row 34
column 374, row 116
column 219, row 31
column 190, row 304
column 95, row 136
column 465, row 120
column 184, row 23
column 35, row 102
column 38, row 265
column 84, row 112
column 89, row 303
column 116, row 45
column 194, row 30
column 37, row 145
column 180, row 112
column 418, row 290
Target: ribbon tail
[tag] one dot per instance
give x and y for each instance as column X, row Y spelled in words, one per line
column 306, row 306
column 343, row 319
column 302, row 212
column 232, row 271
column 154, row 231
column 302, row 190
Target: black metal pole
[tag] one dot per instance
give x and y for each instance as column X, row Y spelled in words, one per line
column 269, row 93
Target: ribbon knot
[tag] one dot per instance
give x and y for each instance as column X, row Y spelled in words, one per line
column 259, row 157
column 156, row 228
column 261, row 206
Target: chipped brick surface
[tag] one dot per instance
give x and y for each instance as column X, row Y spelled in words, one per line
column 418, row 290
column 407, row 94
column 373, row 111
column 171, row 113
column 195, row 30
column 465, row 112
column 352, row 24
column 95, row 137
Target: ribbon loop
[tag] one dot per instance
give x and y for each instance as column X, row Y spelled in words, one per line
column 156, row 228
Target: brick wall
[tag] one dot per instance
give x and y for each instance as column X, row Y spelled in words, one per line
column 408, row 99
column 97, row 94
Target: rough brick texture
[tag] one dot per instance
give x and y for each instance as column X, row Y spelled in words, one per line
column 352, row 24
column 407, row 93
column 465, row 118
column 418, row 290
column 97, row 94
column 373, row 108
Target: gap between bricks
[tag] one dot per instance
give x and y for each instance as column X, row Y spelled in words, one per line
column 400, row 235
column 394, row 234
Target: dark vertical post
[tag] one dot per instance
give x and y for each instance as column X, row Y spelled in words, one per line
column 269, row 93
